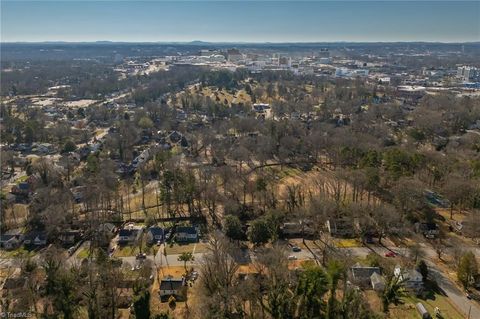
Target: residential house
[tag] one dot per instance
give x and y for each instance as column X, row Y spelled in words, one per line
column 297, row 229
column 10, row 242
column 11, row 239
column 412, row 279
column 35, row 239
column 141, row 159
column 476, row 282
column 456, row 226
column 155, row 234
column 22, row 191
column 184, row 142
column 84, row 151
column 260, row 107
column 129, row 235
column 107, row 227
column 70, row 237
column 22, row 188
column 186, row 234
column 377, row 281
column 432, row 197
column 174, row 137
column 172, row 287
column 78, row 193
column 22, row 147
column 26, row 187
column 181, row 115
column 68, row 160
column 43, row 148
column 361, row 275
column 341, row 227
column 429, row 230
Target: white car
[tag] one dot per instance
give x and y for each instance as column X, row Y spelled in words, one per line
column 194, row 275
column 292, row 257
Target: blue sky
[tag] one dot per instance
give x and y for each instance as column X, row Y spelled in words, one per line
column 235, row 21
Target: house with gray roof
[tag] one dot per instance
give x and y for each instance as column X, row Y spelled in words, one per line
column 172, row 287
column 361, row 275
column 186, row 234
column 411, row 279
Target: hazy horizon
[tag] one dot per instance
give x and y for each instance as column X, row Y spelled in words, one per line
column 240, row 22
column 200, row 42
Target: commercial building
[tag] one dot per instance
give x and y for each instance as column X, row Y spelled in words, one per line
column 468, row 74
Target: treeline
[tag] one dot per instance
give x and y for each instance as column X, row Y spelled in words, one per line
column 87, row 79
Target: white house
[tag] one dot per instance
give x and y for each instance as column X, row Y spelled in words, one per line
column 36, row 239
column 11, row 241
column 412, row 279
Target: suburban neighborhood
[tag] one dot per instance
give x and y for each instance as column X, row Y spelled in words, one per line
column 238, row 179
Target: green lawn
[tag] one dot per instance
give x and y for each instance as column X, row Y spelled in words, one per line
column 176, row 249
column 281, row 172
column 133, row 250
column 21, row 179
column 347, row 243
column 17, row 253
column 407, row 310
column 125, row 251
column 436, row 299
column 447, row 310
column 83, row 253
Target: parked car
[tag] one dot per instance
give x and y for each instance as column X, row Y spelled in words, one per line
column 296, row 249
column 292, row 257
column 194, row 275
column 141, row 256
column 390, row 254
